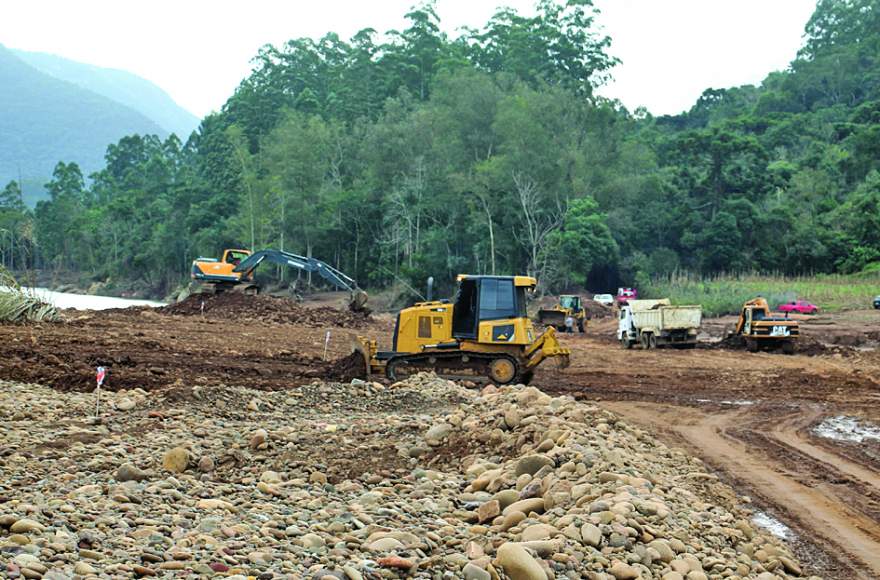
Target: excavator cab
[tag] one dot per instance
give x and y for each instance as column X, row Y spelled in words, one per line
column 483, row 333
column 235, row 257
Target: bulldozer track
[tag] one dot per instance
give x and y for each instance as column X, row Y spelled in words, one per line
column 449, row 365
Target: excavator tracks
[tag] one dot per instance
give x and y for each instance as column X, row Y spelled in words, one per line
column 501, row 369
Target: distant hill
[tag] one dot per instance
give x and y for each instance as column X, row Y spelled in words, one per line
column 44, row 120
column 119, row 85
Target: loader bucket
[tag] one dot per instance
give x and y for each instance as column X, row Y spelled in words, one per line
column 551, row 317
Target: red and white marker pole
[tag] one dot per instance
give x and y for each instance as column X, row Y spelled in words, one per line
column 100, row 375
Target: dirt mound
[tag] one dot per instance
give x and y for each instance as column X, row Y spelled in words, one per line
column 596, row 310
column 805, row 345
column 263, row 308
column 346, row 369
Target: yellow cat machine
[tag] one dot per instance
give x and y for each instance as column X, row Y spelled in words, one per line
column 569, row 305
column 483, row 333
column 235, row 271
column 762, row 330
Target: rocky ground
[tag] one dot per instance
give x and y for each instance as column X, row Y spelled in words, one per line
column 423, row 479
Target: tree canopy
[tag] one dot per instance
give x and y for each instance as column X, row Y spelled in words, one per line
column 410, row 154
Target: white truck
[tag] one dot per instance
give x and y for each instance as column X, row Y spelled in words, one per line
column 654, row 323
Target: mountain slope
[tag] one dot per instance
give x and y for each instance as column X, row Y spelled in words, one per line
column 119, row 85
column 44, row 120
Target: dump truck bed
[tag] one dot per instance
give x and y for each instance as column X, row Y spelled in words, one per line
column 664, row 318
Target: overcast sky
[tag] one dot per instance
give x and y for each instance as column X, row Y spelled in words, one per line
column 199, row 50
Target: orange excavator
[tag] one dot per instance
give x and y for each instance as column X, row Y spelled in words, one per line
column 235, row 272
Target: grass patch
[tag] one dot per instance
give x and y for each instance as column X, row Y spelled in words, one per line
column 725, row 294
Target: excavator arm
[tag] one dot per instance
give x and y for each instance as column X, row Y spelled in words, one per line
column 306, row 264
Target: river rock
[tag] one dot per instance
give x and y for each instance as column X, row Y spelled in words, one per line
column 531, row 464
column 125, row 404
column 176, row 460
column 623, row 571
column 128, row 472
column 25, row 525
column 526, row 506
column 474, row 572
column 518, row 564
column 259, row 438
column 591, row 535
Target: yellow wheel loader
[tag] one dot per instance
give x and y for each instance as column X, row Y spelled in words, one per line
column 762, row 330
column 483, row 334
column 568, row 306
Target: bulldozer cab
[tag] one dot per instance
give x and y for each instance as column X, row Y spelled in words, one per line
column 484, row 298
column 572, row 303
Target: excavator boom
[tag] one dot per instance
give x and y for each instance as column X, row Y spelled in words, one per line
column 306, row 264
column 303, row 263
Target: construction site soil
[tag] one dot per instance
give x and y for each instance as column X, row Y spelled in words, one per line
column 264, row 308
column 753, row 417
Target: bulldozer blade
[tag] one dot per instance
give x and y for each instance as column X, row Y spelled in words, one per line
column 364, row 347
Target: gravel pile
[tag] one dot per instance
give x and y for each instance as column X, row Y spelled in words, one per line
column 420, row 479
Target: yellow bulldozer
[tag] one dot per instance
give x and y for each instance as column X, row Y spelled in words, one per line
column 762, row 330
column 482, row 334
column 568, row 306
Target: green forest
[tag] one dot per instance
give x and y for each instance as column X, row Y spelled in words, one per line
column 414, row 153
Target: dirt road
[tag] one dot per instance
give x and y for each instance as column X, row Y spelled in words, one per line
column 751, row 417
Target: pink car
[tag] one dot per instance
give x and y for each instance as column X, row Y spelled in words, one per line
column 799, row 306
column 624, row 295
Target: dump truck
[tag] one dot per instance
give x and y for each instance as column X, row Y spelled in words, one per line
column 656, row 323
column 235, row 272
column 568, row 305
column 482, row 334
column 762, row 330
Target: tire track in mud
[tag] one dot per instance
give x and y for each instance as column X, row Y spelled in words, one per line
column 832, row 505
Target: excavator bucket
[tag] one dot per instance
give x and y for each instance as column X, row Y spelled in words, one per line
column 358, row 301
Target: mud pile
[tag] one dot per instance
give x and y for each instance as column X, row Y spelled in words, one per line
column 147, row 349
column 805, row 345
column 596, row 310
column 264, row 308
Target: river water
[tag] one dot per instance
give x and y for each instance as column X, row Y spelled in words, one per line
column 87, row 302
